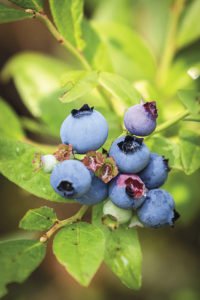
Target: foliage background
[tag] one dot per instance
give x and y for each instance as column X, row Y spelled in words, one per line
column 170, row 256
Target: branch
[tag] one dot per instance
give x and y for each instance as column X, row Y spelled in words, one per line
column 44, row 18
column 61, row 223
column 172, row 122
column 80, row 57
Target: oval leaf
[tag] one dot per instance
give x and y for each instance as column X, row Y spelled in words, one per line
column 18, row 259
column 29, row 4
column 16, row 165
column 123, row 92
column 80, row 248
column 8, row 14
column 165, row 146
column 38, row 219
column 35, row 76
column 190, row 27
column 191, row 100
column 129, row 54
column 67, row 15
column 80, row 87
column 190, row 151
column 123, row 256
column 9, row 123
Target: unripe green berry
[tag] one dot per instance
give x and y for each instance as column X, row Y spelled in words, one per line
column 121, row 215
column 48, row 162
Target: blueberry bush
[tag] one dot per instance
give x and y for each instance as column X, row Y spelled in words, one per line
column 119, row 70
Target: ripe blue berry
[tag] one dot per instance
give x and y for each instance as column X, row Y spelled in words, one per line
column 158, row 209
column 98, row 192
column 127, row 191
column 130, row 154
column 121, row 215
column 70, row 179
column 140, row 119
column 85, row 129
column 156, row 172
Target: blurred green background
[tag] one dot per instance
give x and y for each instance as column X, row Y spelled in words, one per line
column 170, row 256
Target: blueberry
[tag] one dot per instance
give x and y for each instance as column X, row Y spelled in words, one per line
column 70, row 179
column 130, row 154
column 158, row 209
column 98, row 192
column 48, row 162
column 85, row 129
column 156, row 172
column 121, row 215
column 127, row 191
column 140, row 119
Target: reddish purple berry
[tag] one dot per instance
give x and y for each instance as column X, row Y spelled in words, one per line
column 140, row 119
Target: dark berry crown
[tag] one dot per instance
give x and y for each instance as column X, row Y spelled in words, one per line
column 130, row 144
column 84, row 110
column 66, row 187
column 151, row 108
column 134, row 188
column 166, row 163
column 176, row 216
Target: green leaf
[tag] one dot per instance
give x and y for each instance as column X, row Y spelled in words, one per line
column 129, row 54
column 153, row 19
column 67, row 15
column 168, row 148
column 33, row 126
column 9, row 123
column 85, row 84
column 8, row 14
column 38, row 219
column 190, row 151
column 178, row 78
column 35, row 76
column 123, row 256
column 191, row 100
column 80, row 248
column 121, row 11
column 18, row 259
column 97, row 212
column 94, row 48
column 122, row 253
column 123, row 92
column 16, row 164
column 189, row 30
column 29, row 4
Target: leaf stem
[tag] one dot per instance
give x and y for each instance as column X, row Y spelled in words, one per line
column 61, row 223
column 44, row 18
column 172, row 122
column 170, row 43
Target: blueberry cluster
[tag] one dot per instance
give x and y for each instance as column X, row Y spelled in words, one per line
column 128, row 173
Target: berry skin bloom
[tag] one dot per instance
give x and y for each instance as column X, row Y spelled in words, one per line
column 158, row 209
column 122, row 216
column 156, row 172
column 85, row 129
column 140, row 119
column 98, row 192
column 70, row 179
column 130, row 154
column 127, row 191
